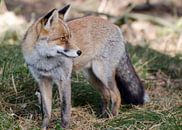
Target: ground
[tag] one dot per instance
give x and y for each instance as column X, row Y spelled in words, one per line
column 155, row 52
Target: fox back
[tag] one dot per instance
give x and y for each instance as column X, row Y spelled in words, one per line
column 104, row 53
column 95, row 36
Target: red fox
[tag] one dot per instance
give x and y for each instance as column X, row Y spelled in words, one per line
column 53, row 47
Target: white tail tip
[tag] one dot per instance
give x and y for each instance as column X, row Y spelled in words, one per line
column 146, row 98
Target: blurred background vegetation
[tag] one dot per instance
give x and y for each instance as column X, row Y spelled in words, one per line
column 153, row 29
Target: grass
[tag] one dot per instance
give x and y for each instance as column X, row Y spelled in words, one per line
column 145, row 119
column 19, row 108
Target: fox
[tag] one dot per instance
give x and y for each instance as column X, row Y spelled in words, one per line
column 53, row 47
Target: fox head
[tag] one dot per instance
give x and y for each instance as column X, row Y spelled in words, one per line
column 54, row 35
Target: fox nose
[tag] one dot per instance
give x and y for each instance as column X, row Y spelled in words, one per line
column 79, row 52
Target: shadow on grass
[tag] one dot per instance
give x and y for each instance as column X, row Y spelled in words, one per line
column 14, row 75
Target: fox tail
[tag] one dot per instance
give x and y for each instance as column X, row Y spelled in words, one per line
column 129, row 84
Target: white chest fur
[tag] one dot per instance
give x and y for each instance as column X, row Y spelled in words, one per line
column 57, row 68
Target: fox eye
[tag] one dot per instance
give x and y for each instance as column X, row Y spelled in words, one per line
column 59, row 38
column 63, row 38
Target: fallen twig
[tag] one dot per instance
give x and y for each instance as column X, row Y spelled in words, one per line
column 153, row 19
column 14, row 86
column 134, row 16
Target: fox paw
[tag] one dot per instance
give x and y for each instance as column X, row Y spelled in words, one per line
column 64, row 124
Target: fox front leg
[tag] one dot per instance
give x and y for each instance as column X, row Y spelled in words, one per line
column 45, row 86
column 65, row 97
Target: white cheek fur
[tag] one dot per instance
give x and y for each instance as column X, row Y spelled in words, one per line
column 45, row 49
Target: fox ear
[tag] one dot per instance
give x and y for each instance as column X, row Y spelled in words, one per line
column 49, row 18
column 64, row 12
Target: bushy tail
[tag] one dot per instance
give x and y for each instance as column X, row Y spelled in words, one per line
column 128, row 82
